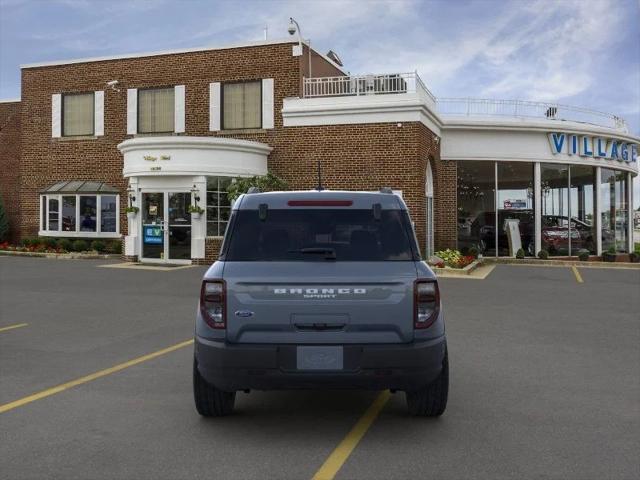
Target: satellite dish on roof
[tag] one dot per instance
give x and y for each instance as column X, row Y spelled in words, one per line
column 333, row 56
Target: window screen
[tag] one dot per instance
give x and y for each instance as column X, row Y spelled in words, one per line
column 156, row 110
column 242, row 105
column 77, row 114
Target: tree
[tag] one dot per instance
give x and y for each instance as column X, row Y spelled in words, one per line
column 4, row 223
column 266, row 183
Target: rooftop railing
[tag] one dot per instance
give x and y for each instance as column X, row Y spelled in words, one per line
column 356, row 85
column 399, row 83
column 526, row 109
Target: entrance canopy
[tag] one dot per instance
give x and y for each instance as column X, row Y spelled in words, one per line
column 80, row 186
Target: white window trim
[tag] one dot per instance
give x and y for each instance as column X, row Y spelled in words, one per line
column 78, row 233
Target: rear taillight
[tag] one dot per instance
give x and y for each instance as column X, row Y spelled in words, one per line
column 213, row 303
column 426, row 303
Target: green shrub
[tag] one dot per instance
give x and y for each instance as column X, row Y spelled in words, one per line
column 520, row 253
column 266, row 183
column 543, row 254
column 65, row 244
column 473, row 251
column 80, row 246
column 98, row 246
column 114, row 246
column 49, row 242
column 464, row 251
column 611, row 250
column 27, row 242
column 583, row 254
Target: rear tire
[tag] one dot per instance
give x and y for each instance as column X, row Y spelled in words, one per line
column 210, row 402
column 431, row 401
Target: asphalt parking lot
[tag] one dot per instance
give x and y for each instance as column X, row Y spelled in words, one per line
column 545, row 383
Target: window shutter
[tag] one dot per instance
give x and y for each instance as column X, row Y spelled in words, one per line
column 132, row 111
column 178, row 110
column 98, row 112
column 214, row 106
column 267, row 103
column 56, row 115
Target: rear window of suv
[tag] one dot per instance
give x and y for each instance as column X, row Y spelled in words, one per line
column 320, row 234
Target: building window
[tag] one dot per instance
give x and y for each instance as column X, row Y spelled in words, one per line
column 218, row 205
column 515, row 203
column 69, row 215
column 242, row 105
column 156, row 110
column 108, row 213
column 476, row 206
column 78, row 114
column 614, row 210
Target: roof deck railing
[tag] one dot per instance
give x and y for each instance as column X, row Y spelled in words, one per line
column 526, row 109
column 357, row 85
column 402, row 83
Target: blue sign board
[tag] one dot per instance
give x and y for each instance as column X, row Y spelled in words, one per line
column 152, row 235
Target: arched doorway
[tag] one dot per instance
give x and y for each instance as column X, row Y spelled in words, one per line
column 429, row 196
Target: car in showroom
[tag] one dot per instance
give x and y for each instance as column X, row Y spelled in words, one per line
column 320, row 289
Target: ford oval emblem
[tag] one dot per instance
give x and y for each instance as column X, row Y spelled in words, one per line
column 244, row 313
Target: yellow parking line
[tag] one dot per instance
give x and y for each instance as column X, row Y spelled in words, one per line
column 337, row 458
column 11, row 327
column 102, row 373
column 577, row 274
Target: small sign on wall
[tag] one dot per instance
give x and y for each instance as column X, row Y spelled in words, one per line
column 152, row 235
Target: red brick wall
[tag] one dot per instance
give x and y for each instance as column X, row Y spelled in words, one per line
column 354, row 157
column 10, row 163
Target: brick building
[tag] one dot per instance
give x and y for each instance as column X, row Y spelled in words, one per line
column 167, row 130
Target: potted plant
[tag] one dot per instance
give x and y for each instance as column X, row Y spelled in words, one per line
column 131, row 212
column 195, row 211
column 610, row 255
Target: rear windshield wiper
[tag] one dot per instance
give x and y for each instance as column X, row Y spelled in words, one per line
column 329, row 253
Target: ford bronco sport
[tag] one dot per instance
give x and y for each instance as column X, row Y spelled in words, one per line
column 320, row 289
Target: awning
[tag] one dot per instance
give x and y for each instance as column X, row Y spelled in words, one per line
column 80, row 186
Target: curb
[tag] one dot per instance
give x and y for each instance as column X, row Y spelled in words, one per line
column 562, row 263
column 458, row 271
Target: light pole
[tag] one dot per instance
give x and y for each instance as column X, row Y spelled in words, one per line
column 293, row 28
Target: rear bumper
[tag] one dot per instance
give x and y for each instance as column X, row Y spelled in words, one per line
column 232, row 367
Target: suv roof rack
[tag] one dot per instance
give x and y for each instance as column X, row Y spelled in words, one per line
column 386, row 190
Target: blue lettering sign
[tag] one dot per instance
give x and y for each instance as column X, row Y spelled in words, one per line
column 586, row 148
column 613, row 154
column 601, row 150
column 624, row 152
column 634, row 153
column 557, row 142
column 152, row 235
column 573, row 146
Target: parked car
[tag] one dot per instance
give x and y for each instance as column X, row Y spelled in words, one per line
column 320, row 289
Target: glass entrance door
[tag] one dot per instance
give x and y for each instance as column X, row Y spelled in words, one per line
column 179, row 226
column 166, row 226
column 153, row 226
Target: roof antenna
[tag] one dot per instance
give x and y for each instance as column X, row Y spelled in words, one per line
column 320, row 187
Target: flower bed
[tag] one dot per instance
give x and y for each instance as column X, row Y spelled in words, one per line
column 61, row 246
column 451, row 259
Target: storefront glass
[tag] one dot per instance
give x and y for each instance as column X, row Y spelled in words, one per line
column 582, row 206
column 88, row 214
column 614, row 210
column 515, row 204
column 476, row 206
column 554, row 203
column 108, row 217
column 69, row 213
column 218, row 205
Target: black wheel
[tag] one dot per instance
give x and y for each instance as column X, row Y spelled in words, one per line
column 210, row 402
column 431, row 401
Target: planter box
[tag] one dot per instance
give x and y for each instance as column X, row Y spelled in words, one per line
column 131, row 215
column 616, row 257
column 195, row 216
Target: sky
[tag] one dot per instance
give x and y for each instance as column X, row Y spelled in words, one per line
column 582, row 52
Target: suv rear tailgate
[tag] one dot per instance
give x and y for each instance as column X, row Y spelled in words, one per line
column 319, row 302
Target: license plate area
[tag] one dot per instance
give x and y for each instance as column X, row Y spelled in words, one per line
column 317, row 358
